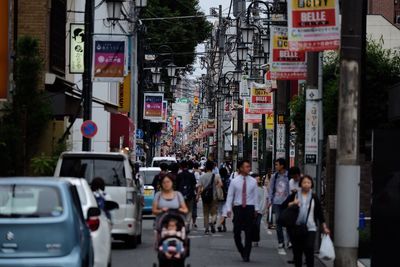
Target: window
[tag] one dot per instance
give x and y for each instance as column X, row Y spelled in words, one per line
column 110, row 169
column 58, row 20
column 23, row 201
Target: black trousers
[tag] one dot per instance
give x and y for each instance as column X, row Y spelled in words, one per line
column 303, row 244
column 243, row 220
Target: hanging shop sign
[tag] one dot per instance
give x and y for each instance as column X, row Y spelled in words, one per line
column 313, row 25
column 261, row 98
column 125, row 95
column 76, row 47
column 249, row 116
column 281, row 141
column 227, row 115
column 254, row 144
column 153, row 106
column 311, row 131
column 244, row 90
column 269, row 121
column 110, row 60
column 286, row 64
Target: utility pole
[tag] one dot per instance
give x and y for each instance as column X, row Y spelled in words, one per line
column 134, row 79
column 87, row 89
column 220, row 106
column 347, row 190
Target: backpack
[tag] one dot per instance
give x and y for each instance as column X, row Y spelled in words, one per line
column 208, row 193
column 187, row 185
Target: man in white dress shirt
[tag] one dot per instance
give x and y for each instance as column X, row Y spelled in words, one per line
column 242, row 200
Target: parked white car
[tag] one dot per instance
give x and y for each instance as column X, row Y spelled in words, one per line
column 157, row 161
column 116, row 171
column 100, row 227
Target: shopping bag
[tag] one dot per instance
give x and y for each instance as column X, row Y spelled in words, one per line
column 327, row 251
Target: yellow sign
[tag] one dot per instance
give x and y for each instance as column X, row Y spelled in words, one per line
column 269, row 122
column 125, row 95
column 312, row 4
column 196, row 100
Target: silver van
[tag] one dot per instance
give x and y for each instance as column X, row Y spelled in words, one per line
column 116, row 171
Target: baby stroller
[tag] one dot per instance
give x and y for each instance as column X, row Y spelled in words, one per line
column 172, row 243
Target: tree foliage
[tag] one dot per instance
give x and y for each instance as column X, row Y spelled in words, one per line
column 182, row 35
column 382, row 72
column 25, row 118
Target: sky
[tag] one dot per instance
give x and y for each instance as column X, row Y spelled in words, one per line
column 205, row 6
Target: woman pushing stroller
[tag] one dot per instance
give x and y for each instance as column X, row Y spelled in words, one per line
column 169, row 206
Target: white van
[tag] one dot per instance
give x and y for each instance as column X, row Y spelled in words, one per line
column 116, row 171
column 157, row 161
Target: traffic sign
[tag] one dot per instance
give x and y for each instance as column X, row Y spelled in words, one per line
column 139, row 134
column 89, row 129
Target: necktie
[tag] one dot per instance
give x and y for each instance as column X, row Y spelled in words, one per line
column 244, row 193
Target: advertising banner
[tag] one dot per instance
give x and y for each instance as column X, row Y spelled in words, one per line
column 125, row 95
column 313, row 25
column 281, row 141
column 311, row 133
column 76, row 47
column 286, row 64
column 254, row 144
column 4, row 53
column 244, row 87
column 153, row 106
column 269, row 122
column 165, row 111
column 248, row 115
column 110, row 60
column 261, row 99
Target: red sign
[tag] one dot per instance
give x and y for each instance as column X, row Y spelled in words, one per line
column 89, row 129
column 313, row 25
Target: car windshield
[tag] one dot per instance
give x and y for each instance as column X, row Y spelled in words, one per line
column 29, row 201
column 148, row 176
column 157, row 163
column 111, row 169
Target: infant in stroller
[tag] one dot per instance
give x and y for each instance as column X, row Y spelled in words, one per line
column 172, row 239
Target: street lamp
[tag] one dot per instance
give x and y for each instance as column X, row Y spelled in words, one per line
column 114, row 9
column 210, row 108
column 161, row 87
column 201, row 105
column 174, row 80
column 259, row 60
column 156, row 76
column 140, row 3
column 228, row 98
column 242, row 51
column 236, row 96
column 171, row 68
column 237, row 75
column 247, row 34
column 266, row 43
column 225, row 89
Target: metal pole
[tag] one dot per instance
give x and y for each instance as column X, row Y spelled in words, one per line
column 134, row 82
column 347, row 190
column 87, row 89
column 320, row 124
column 220, row 108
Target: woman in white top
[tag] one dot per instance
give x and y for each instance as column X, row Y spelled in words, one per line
column 310, row 216
column 261, row 199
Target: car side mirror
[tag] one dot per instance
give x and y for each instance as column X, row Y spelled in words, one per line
column 93, row 212
column 111, row 205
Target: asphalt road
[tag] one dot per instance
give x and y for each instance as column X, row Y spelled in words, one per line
column 206, row 250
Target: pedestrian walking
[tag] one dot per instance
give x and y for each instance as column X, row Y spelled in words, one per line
column 242, row 200
column 186, row 184
column 208, row 191
column 278, row 193
column 294, row 175
column 261, row 200
column 310, row 215
column 223, row 173
column 197, row 173
column 167, row 198
column 157, row 177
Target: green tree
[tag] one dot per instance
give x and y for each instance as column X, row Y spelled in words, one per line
column 25, row 118
column 182, row 35
column 382, row 72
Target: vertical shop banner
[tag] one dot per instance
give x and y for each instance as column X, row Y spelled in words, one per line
column 254, row 145
column 244, row 87
column 248, row 115
column 110, row 60
column 76, row 47
column 4, row 49
column 261, row 98
column 227, row 111
column 286, row 64
column 313, row 25
column 281, row 141
column 125, row 95
column 153, row 106
column 269, row 121
column 165, row 111
column 311, row 132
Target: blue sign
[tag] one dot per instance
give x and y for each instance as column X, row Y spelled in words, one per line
column 139, row 134
column 89, row 129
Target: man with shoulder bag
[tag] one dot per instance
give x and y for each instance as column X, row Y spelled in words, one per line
column 207, row 189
